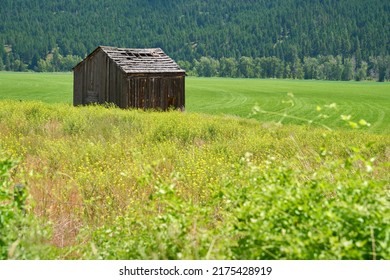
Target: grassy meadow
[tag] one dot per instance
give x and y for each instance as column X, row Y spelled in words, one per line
column 209, row 183
column 307, row 100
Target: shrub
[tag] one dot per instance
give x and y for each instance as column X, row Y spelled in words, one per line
column 21, row 237
column 267, row 210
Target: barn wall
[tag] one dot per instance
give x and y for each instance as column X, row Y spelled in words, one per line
column 78, row 86
column 155, row 91
column 124, row 90
column 90, row 80
column 101, row 75
column 99, row 79
column 116, row 81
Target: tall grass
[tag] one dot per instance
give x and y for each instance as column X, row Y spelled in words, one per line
column 128, row 184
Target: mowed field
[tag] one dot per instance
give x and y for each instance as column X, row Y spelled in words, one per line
column 285, row 101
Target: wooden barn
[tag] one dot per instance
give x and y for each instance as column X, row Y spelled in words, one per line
column 129, row 78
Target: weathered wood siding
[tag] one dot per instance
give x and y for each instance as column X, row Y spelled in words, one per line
column 155, row 91
column 78, row 86
column 90, row 80
column 99, row 79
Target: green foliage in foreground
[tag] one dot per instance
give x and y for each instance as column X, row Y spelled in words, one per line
column 120, row 184
column 21, row 236
column 259, row 211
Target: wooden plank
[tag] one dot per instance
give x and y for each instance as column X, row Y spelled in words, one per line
column 157, row 92
column 119, row 81
column 117, row 87
column 111, row 92
column 165, row 93
column 107, row 80
column 178, row 92
column 135, row 91
column 130, row 92
column 162, row 93
column 142, row 92
column 96, row 76
column 85, row 81
column 183, row 92
column 133, row 94
column 148, row 92
column 124, row 95
column 102, row 78
column 152, row 88
column 78, row 86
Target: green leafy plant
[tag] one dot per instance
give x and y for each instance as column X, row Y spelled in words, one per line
column 284, row 213
column 21, row 236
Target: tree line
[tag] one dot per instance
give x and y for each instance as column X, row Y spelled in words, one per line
column 329, row 67
column 335, row 68
column 53, row 62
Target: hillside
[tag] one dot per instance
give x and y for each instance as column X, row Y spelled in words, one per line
column 187, row 30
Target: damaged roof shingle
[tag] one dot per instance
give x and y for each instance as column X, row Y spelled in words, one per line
column 142, row 60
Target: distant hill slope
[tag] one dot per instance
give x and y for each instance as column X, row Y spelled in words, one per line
column 190, row 29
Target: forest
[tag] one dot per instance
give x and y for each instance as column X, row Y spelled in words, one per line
column 315, row 39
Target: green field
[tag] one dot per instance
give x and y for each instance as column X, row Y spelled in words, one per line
column 106, row 183
column 361, row 100
column 46, row 87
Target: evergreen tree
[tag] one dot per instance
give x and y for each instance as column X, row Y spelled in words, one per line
column 7, row 62
column 284, row 33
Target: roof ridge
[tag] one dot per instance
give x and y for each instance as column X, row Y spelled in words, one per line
column 139, row 60
column 142, row 59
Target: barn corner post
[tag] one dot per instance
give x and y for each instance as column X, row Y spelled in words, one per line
column 182, row 93
column 129, row 78
column 77, row 90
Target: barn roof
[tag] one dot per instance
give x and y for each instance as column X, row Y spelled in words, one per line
column 141, row 60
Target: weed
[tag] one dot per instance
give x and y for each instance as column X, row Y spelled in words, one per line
column 128, row 184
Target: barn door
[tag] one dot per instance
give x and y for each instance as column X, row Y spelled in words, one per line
column 137, row 92
column 92, row 97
